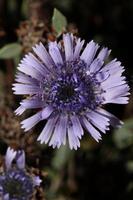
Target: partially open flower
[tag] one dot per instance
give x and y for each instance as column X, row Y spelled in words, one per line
column 69, row 86
column 16, row 183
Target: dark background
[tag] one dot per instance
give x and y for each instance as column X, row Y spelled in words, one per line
column 95, row 171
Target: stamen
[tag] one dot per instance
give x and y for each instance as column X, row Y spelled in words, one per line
column 74, row 90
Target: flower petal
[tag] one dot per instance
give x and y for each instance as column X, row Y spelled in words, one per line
column 114, row 64
column 42, row 53
column 23, row 78
column 48, row 130
column 32, row 103
column 102, row 76
column 28, row 123
column 120, row 100
column 31, row 71
column 113, row 81
column 31, row 60
column 20, row 159
column 103, row 54
column 114, row 121
column 117, row 94
column 68, row 45
column 99, row 121
column 89, row 52
column 55, row 53
column 36, row 181
column 6, row 197
column 59, row 135
column 25, row 89
column 94, row 133
column 72, row 138
column 20, row 110
column 78, row 48
column 46, row 112
column 77, row 128
column 96, row 65
column 10, row 156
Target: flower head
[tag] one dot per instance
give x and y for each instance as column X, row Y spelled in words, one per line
column 16, row 183
column 68, row 87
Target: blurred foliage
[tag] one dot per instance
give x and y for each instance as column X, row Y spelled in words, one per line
column 10, row 51
column 103, row 170
column 61, row 157
column 123, row 137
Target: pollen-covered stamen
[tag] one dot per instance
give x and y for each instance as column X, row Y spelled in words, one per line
column 63, row 94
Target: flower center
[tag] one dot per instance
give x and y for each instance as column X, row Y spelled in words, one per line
column 13, row 188
column 17, row 184
column 65, row 93
column 73, row 90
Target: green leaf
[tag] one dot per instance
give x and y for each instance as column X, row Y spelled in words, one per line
column 59, row 22
column 123, row 137
column 10, row 51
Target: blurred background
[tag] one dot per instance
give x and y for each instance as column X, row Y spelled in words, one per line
column 103, row 170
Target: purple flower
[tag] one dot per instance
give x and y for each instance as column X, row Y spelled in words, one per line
column 16, row 183
column 69, row 86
